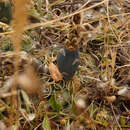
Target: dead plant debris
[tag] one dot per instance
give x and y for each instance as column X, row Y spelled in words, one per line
column 33, row 94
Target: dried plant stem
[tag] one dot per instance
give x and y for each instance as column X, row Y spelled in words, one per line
column 61, row 18
column 53, row 22
column 116, row 118
column 19, row 21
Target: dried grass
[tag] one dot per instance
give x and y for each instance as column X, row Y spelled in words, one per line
column 98, row 95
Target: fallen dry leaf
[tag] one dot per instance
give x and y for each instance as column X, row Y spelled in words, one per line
column 54, row 71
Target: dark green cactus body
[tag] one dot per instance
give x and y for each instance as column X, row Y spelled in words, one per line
column 5, row 12
column 68, row 62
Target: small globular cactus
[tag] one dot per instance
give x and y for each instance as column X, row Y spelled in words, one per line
column 5, row 12
column 68, row 58
column 68, row 62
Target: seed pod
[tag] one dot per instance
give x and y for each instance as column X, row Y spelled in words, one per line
column 68, row 62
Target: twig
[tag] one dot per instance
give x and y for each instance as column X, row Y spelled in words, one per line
column 116, row 118
column 93, row 78
column 84, row 4
column 69, row 3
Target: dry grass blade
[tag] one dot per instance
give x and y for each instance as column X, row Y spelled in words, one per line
column 61, row 18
